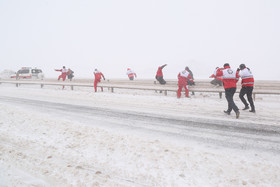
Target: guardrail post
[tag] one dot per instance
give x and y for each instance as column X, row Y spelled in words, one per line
column 220, row 94
column 17, row 84
column 165, row 92
column 72, row 87
column 112, row 89
column 42, row 85
column 254, row 96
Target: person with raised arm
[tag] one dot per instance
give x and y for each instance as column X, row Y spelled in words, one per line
column 63, row 73
column 159, row 75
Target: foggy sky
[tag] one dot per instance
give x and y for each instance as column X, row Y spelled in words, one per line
column 113, row 35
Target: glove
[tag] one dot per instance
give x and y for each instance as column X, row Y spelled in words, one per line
column 104, row 79
column 193, row 83
column 238, row 69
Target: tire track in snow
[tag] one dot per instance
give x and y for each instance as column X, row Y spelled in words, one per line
column 238, row 135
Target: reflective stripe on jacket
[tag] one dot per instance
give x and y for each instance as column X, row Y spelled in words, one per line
column 247, row 77
column 183, row 77
column 229, row 77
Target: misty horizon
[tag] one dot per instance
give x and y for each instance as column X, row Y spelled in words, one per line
column 142, row 35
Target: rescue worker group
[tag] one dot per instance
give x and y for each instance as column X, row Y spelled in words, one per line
column 225, row 76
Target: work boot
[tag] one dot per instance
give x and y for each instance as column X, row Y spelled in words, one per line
column 237, row 114
column 227, row 112
column 253, row 110
column 246, row 107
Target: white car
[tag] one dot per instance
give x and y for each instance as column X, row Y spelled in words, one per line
column 28, row 73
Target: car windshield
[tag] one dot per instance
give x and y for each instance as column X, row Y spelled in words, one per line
column 23, row 71
column 36, row 71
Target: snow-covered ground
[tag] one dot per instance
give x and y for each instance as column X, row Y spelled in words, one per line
column 55, row 137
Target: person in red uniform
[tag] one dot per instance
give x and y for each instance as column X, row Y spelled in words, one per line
column 247, row 87
column 131, row 74
column 159, row 75
column 217, row 80
column 230, row 78
column 183, row 78
column 97, row 77
column 63, row 73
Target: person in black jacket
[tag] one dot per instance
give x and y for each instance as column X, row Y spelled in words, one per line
column 191, row 83
column 70, row 74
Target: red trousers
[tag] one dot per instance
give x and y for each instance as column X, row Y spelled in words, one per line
column 63, row 76
column 181, row 86
column 95, row 85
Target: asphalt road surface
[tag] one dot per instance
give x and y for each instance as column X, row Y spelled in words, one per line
column 236, row 135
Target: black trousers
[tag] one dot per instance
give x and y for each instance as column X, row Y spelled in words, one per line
column 248, row 90
column 229, row 96
column 160, row 80
column 217, row 82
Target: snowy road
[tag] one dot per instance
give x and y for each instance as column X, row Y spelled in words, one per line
column 234, row 134
column 54, row 137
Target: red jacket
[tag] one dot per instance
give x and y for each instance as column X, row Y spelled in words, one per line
column 247, row 77
column 159, row 72
column 63, row 71
column 214, row 75
column 130, row 73
column 229, row 77
column 183, row 77
column 98, row 75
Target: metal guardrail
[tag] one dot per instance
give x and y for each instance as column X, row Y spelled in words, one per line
column 145, row 85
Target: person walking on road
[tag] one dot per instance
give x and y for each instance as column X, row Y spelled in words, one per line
column 229, row 78
column 159, row 75
column 97, row 78
column 131, row 74
column 247, row 83
column 183, row 78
